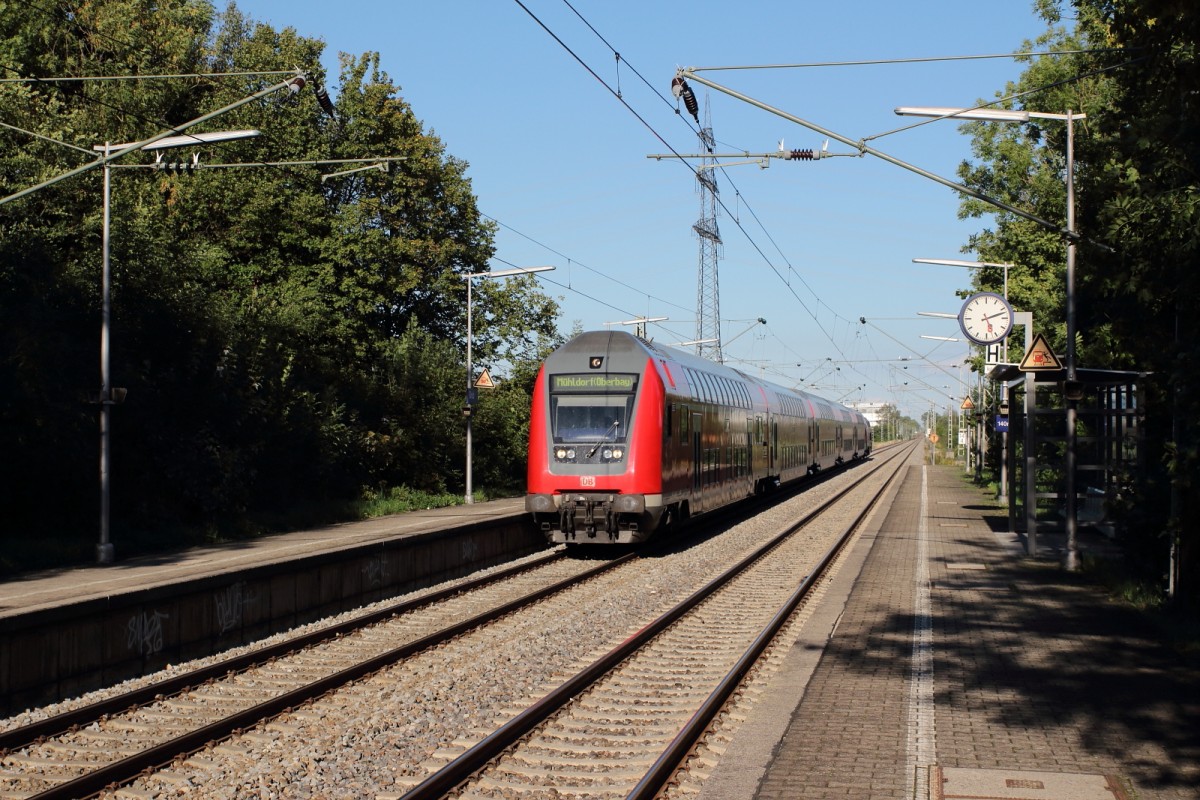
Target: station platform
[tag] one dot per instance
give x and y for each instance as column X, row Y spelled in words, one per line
column 64, row 632
column 945, row 663
column 34, row 591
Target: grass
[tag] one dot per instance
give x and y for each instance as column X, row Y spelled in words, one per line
column 1178, row 625
column 398, row 499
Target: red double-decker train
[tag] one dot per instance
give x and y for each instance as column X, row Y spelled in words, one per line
column 627, row 437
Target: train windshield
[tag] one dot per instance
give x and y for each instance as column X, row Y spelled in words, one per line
column 590, row 419
column 591, row 407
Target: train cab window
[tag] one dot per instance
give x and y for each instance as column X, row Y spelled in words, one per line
column 591, row 407
column 590, row 419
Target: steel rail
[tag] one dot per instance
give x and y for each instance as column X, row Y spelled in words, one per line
column 122, row 771
column 85, row 715
column 126, row 769
column 689, row 736
column 468, row 763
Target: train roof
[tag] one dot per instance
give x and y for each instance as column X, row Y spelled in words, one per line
column 620, row 345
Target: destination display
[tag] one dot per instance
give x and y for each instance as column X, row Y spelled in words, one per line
column 592, row 383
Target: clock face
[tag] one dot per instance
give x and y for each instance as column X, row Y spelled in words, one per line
column 985, row 318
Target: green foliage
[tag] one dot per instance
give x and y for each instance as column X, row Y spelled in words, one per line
column 1136, row 76
column 284, row 341
column 400, row 499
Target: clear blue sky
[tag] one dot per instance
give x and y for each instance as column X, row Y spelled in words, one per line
column 562, row 164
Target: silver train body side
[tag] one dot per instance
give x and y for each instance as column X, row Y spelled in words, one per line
column 627, row 436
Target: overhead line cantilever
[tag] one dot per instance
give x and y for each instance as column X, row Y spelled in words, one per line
column 868, row 150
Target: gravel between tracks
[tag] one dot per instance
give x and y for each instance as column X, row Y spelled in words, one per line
column 383, row 734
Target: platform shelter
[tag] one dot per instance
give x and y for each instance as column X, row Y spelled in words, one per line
column 1109, row 451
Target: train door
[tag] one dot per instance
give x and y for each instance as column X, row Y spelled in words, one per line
column 697, row 465
column 760, row 440
column 775, row 446
column 813, row 455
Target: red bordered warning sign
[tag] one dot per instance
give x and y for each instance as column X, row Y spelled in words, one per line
column 1040, row 357
column 485, row 381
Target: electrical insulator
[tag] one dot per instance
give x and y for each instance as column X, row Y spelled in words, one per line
column 324, row 101
column 680, row 89
column 177, row 166
column 803, row 155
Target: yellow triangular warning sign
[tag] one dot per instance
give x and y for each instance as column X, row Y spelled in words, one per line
column 485, row 381
column 967, row 404
column 1040, row 357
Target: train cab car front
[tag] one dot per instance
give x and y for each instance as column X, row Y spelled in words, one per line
column 587, row 440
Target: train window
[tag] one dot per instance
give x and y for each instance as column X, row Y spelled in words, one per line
column 683, row 423
column 590, row 419
column 669, row 427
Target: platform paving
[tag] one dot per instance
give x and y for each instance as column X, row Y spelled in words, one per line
column 957, row 667
column 29, row 592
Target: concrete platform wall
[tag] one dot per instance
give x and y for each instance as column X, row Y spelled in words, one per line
column 60, row 652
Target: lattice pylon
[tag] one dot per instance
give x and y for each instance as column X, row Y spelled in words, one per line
column 708, row 290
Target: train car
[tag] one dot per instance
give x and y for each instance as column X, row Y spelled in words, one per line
column 626, row 437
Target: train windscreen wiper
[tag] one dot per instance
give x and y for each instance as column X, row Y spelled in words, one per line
column 604, row 438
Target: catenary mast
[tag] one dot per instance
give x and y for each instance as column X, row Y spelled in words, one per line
column 708, row 293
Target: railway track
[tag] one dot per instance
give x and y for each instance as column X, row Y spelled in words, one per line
column 598, row 734
column 81, row 752
column 228, row 709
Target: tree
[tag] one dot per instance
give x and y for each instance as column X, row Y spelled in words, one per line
column 1135, row 74
column 285, row 341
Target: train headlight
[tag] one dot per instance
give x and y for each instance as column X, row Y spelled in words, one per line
column 618, row 453
column 564, row 453
column 608, row 454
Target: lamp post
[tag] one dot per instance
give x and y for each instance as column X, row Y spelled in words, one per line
column 108, row 395
column 468, row 497
column 1071, row 391
column 952, row 262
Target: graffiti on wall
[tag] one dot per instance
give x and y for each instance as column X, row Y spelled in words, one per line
column 144, row 632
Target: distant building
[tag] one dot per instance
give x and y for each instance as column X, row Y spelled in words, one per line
column 871, row 410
